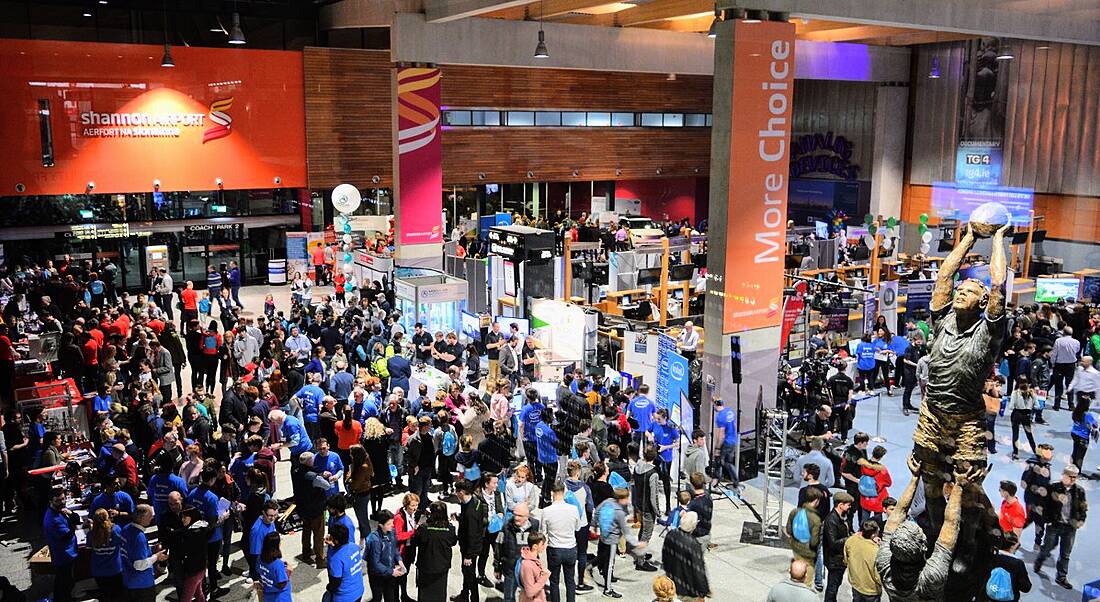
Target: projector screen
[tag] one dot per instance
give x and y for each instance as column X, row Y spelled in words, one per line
column 953, row 201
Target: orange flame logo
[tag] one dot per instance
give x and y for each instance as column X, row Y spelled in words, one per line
column 220, row 120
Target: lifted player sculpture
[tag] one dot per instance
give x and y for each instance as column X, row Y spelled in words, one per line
column 950, row 439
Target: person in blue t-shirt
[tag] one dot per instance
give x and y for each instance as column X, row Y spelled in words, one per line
column 138, row 559
column 257, row 533
column 105, row 543
column 546, row 443
column 118, row 504
column 641, row 409
column 884, row 358
column 162, row 483
column 101, row 405
column 865, row 362
column 337, row 515
column 59, row 524
column 725, row 435
column 329, row 466
column 529, row 416
column 311, row 397
column 274, row 573
column 345, row 567
column 294, row 433
column 665, row 436
column 206, row 502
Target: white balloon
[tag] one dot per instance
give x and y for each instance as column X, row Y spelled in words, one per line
column 347, row 239
column 348, row 268
column 346, row 198
column 887, row 243
column 869, row 240
column 892, row 232
column 341, row 221
column 925, row 248
column 926, row 237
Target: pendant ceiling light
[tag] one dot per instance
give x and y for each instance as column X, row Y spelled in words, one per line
column 1005, row 54
column 236, row 34
column 540, row 49
column 166, row 60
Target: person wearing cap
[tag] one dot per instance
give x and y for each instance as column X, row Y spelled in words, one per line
column 835, row 533
column 1065, row 510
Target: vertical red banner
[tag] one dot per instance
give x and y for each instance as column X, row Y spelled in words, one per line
column 762, row 95
column 792, row 309
column 418, row 169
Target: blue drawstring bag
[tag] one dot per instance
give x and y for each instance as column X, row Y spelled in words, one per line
column 999, row 586
column 867, row 486
column 393, row 471
column 800, row 528
column 496, row 523
column 617, row 481
column 472, row 473
column 571, row 498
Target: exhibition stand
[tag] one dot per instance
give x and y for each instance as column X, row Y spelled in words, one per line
column 432, row 298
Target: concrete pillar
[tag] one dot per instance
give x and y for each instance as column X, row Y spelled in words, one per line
column 754, row 80
column 888, row 162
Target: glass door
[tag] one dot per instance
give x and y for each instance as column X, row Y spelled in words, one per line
column 194, row 264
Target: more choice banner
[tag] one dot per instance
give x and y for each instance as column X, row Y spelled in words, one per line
column 761, row 99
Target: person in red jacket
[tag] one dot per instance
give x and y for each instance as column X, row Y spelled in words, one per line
column 126, row 468
column 871, row 506
column 404, row 525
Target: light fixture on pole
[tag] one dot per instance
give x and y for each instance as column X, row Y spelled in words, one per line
column 166, row 60
column 236, row 35
column 713, row 31
column 1005, row 54
column 540, row 49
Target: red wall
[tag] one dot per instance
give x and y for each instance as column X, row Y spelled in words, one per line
column 671, row 197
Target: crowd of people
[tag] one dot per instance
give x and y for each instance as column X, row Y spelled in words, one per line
column 842, row 521
column 324, row 386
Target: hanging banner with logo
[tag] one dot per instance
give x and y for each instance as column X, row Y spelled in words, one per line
column 297, row 253
column 870, row 301
column 918, row 299
column 888, row 303
column 418, row 154
column 792, row 309
column 761, row 99
column 672, row 383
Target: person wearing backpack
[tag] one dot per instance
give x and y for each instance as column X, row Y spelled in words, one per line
column 611, row 523
column 804, row 532
column 209, row 343
column 873, row 484
column 1008, row 577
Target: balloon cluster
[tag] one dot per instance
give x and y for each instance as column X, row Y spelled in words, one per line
column 889, row 233
column 925, row 234
column 345, row 199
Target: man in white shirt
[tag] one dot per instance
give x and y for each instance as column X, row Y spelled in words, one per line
column 1064, row 356
column 688, row 340
column 560, row 523
column 298, row 344
column 1085, row 380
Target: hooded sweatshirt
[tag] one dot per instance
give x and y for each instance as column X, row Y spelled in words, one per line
column 616, row 527
column 695, row 460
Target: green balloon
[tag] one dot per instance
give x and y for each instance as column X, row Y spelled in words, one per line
column 922, row 229
column 868, row 219
column 873, row 229
column 924, row 218
column 891, row 222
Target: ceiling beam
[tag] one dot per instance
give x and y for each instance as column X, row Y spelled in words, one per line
column 693, row 24
column 646, row 13
column 954, row 16
column 545, row 10
column 443, row 11
column 912, row 38
column 852, row 32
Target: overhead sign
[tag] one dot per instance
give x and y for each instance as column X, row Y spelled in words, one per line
column 77, row 113
column 761, row 100
column 978, row 163
column 83, row 232
column 418, row 150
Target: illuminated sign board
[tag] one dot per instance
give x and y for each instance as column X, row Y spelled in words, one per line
column 84, row 232
column 953, row 201
column 978, row 163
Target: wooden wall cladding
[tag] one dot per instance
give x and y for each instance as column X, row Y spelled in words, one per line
column 552, row 154
column 348, row 117
column 509, row 87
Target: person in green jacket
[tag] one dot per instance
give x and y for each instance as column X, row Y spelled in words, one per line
column 1094, row 346
column 807, row 550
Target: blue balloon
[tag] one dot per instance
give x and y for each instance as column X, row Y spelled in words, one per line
column 348, row 287
column 347, row 228
column 347, row 257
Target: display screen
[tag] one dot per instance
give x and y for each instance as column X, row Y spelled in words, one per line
column 471, row 327
column 1049, row 290
column 1090, row 289
column 649, row 276
column 679, row 273
column 506, row 325
column 821, row 229
column 954, row 201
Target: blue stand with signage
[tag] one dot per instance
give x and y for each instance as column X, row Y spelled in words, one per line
column 672, row 387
